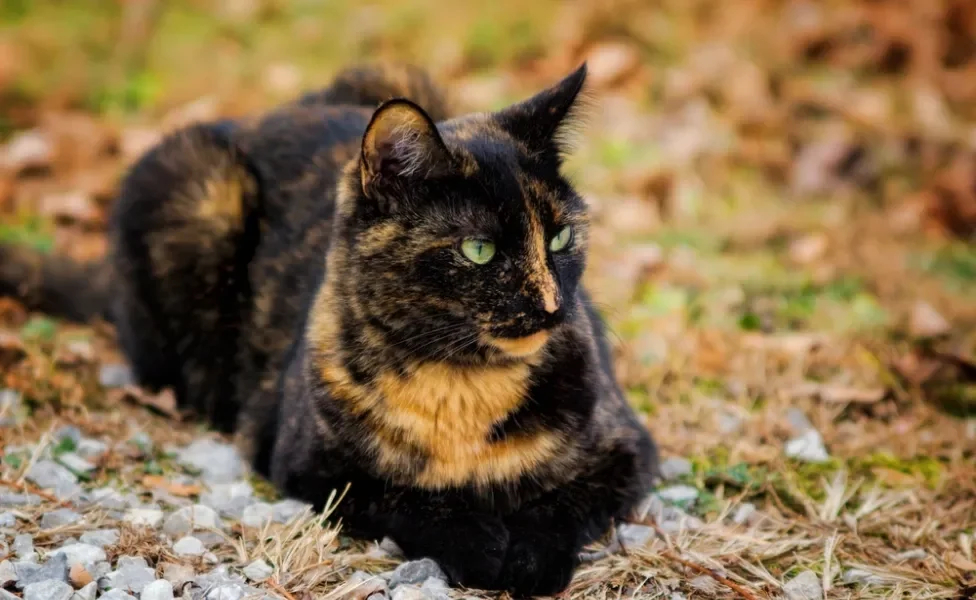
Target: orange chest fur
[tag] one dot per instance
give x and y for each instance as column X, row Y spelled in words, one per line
column 449, row 412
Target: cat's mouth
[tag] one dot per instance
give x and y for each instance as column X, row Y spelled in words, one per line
column 520, row 346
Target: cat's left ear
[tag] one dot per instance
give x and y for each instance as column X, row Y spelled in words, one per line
column 545, row 121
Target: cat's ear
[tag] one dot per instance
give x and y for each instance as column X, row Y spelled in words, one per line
column 401, row 144
column 545, row 121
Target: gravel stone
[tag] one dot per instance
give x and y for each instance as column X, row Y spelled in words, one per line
column 142, row 442
column 229, row 499
column 670, row 519
column 81, row 554
column 23, row 545
column 100, row 537
column 7, row 519
column 51, row 589
column 744, row 513
column 14, row 499
column 675, row 467
column 231, row 591
column 808, row 447
column 679, row 494
column 805, row 586
column 798, row 420
column 257, row 515
column 59, row 518
column 68, row 432
column 56, row 567
column 189, row 546
column 115, row 376
column 131, row 561
column 217, row 462
column 635, row 536
column 189, row 519
column 88, row 592
column 363, row 585
column 259, row 570
column 157, row 590
column 7, row 573
column 148, row 517
column 131, row 576
column 408, row 592
column 89, row 448
column 288, row 509
column 436, row 589
column 117, row 594
column 416, row 572
column 108, row 498
column 76, row 464
column 100, row 569
column 48, row 474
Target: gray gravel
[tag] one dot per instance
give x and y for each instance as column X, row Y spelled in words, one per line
column 157, row 590
column 257, row 515
column 7, row 520
column 59, row 518
column 47, row 474
column 50, row 589
column 804, row 586
column 7, row 573
column 216, row 462
column 100, row 537
column 80, row 554
column 258, row 570
column 189, row 546
column 675, row 467
column 416, row 572
column 131, row 575
column 190, row 519
column 55, row 567
column 147, row 517
column 88, row 592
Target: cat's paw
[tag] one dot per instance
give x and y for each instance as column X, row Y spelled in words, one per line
column 537, row 564
column 471, row 553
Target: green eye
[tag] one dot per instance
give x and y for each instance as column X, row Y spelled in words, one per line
column 479, row 252
column 562, row 239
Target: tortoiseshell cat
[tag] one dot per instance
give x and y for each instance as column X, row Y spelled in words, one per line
column 387, row 298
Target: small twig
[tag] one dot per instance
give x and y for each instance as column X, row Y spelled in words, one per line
column 28, row 489
column 705, row 571
column 277, row 587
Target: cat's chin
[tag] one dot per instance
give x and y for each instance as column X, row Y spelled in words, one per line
column 521, row 347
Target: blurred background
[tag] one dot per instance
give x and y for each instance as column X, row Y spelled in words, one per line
column 784, row 192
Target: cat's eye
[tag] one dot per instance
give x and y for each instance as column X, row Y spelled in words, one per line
column 480, row 252
column 562, row 239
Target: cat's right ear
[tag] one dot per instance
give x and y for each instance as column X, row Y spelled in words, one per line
column 401, row 145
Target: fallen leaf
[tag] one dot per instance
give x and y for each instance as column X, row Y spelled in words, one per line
column 79, row 576
column 163, row 403
column 961, row 562
column 926, row 322
column 610, row 63
column 177, row 489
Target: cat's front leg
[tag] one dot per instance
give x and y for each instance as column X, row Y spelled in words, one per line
column 468, row 544
column 547, row 534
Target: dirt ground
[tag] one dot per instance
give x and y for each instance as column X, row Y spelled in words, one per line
column 785, row 206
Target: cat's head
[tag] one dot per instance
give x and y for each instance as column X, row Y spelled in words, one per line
column 462, row 239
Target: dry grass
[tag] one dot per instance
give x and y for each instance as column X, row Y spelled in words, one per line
column 735, row 294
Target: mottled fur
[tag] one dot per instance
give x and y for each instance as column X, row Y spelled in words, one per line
column 298, row 280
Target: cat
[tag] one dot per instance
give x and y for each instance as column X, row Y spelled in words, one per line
column 381, row 298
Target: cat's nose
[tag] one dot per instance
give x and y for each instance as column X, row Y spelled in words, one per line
column 551, row 303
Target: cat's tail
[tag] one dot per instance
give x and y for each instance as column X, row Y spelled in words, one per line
column 371, row 85
column 55, row 284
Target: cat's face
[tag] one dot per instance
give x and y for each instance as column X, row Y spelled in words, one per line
column 464, row 239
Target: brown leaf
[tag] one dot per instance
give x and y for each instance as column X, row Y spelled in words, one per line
column 961, row 562
column 177, row 489
column 612, row 62
column 11, row 349
column 926, row 322
column 79, row 576
column 163, row 403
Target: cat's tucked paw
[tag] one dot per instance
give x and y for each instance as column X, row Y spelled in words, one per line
column 537, row 564
column 471, row 554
